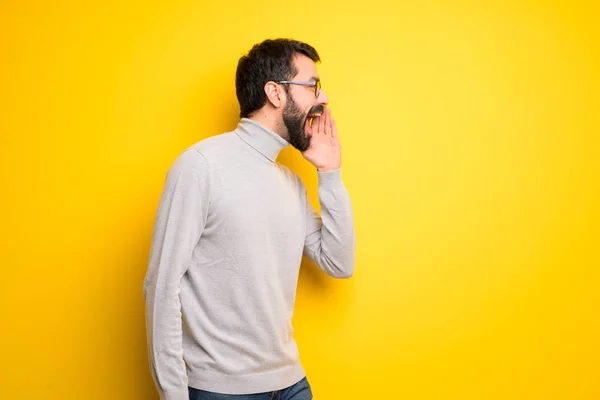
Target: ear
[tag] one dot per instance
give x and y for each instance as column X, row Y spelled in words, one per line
column 274, row 94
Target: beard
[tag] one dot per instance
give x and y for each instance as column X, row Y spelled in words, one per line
column 295, row 121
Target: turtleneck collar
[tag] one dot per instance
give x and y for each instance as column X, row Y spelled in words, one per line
column 260, row 138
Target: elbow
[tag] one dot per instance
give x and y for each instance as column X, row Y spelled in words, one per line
column 340, row 265
column 337, row 270
column 344, row 267
column 344, row 271
column 345, row 274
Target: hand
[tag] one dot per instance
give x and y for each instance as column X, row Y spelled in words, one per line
column 324, row 151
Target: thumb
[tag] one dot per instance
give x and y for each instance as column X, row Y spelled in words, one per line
column 307, row 128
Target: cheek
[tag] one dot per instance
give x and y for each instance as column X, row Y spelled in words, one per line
column 309, row 106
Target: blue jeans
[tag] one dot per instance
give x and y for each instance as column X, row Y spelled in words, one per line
column 298, row 391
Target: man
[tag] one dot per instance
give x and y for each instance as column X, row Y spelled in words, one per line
column 230, row 231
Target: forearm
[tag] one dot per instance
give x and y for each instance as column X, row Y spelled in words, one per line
column 331, row 240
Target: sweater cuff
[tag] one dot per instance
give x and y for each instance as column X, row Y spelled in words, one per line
column 330, row 179
column 176, row 394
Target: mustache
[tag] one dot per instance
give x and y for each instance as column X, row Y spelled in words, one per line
column 318, row 109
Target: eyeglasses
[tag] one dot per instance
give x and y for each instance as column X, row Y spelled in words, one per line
column 316, row 84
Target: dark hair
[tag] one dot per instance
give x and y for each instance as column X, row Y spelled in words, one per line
column 270, row 60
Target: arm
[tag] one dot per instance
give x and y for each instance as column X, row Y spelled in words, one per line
column 330, row 239
column 178, row 225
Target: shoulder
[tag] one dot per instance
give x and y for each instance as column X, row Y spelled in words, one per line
column 217, row 146
column 200, row 155
column 189, row 159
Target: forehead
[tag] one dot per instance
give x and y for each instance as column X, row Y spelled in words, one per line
column 307, row 69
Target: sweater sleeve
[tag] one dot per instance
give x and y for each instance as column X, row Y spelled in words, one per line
column 178, row 224
column 330, row 238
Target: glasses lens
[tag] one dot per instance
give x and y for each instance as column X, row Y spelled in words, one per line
column 317, row 89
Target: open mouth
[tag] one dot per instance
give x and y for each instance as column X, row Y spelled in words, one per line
column 316, row 111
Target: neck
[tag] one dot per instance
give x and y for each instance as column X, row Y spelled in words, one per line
column 272, row 122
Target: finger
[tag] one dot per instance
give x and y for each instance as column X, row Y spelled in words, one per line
column 315, row 124
column 308, row 128
column 328, row 122
column 334, row 133
column 321, row 128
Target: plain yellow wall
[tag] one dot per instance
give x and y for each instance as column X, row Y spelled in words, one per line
column 470, row 150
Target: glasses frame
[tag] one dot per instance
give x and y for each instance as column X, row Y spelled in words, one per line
column 316, row 84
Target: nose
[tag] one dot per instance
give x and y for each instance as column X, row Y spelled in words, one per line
column 322, row 98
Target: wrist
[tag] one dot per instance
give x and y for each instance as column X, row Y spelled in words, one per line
column 330, row 179
column 327, row 169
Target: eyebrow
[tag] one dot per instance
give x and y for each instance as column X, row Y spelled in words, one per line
column 315, row 78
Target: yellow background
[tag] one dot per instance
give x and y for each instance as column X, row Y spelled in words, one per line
column 470, row 148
